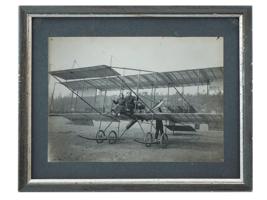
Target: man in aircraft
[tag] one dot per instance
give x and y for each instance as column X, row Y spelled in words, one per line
column 119, row 105
column 126, row 105
column 130, row 103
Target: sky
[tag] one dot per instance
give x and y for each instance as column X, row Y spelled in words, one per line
column 150, row 53
column 147, row 53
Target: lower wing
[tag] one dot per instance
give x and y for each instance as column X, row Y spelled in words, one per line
column 181, row 117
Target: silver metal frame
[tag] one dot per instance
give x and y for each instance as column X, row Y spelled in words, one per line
column 27, row 183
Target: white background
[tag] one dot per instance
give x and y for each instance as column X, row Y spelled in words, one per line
column 9, row 105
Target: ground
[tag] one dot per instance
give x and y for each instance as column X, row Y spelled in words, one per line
column 64, row 144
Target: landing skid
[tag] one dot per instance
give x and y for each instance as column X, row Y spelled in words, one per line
column 100, row 139
column 143, row 142
column 148, row 141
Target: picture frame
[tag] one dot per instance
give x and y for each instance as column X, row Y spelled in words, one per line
column 28, row 83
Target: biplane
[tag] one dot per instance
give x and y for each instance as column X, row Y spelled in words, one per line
column 107, row 78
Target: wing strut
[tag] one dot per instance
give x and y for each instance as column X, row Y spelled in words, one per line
column 182, row 96
column 73, row 91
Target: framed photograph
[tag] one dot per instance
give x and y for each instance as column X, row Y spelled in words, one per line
column 135, row 98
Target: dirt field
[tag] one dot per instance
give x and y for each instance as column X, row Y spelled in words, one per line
column 64, row 144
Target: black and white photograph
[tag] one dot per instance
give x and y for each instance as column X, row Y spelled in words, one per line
column 135, row 99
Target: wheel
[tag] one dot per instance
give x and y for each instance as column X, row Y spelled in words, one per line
column 100, row 135
column 148, row 139
column 112, row 137
column 164, row 140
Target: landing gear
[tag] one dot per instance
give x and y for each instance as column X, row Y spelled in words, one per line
column 100, row 136
column 112, row 137
column 148, row 139
column 164, row 140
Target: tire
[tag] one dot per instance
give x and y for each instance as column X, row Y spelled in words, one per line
column 148, row 139
column 112, row 137
column 100, row 135
column 164, row 140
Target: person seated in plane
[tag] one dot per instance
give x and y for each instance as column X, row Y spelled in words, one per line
column 119, row 105
column 130, row 103
column 139, row 106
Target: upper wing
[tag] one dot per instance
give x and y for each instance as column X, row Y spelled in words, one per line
column 147, row 80
column 85, row 72
column 182, row 117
